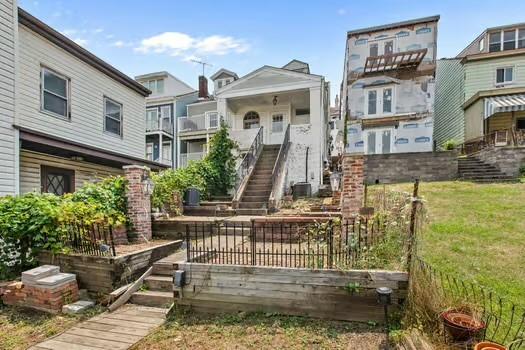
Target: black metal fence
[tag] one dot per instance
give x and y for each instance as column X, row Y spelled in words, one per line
column 301, row 244
column 89, row 239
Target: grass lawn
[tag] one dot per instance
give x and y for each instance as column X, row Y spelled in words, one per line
column 186, row 330
column 21, row 328
column 476, row 231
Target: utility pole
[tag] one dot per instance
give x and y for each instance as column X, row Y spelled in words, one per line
column 204, row 64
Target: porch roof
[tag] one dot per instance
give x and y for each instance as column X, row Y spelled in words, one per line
column 505, row 103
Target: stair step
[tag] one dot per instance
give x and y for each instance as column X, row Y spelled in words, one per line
column 257, row 193
column 253, row 205
column 159, row 283
column 245, row 211
column 152, row 298
column 247, row 198
column 162, row 268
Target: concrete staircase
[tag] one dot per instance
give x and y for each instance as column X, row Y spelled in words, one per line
column 157, row 289
column 254, row 200
column 472, row 168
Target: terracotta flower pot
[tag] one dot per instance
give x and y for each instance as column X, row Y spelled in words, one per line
column 487, row 345
column 461, row 326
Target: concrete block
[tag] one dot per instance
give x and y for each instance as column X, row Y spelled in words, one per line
column 77, row 307
column 56, row 280
column 30, row 277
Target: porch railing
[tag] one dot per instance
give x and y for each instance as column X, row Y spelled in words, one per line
column 505, row 137
column 278, row 168
column 159, row 125
column 249, row 160
column 199, row 122
column 185, row 158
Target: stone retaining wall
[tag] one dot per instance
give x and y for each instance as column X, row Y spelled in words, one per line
column 507, row 159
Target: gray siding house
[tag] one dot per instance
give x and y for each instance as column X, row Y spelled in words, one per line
column 73, row 118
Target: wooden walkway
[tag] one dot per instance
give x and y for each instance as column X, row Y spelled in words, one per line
column 118, row 330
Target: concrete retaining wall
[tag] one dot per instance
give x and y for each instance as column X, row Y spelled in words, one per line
column 405, row 167
column 507, row 159
column 292, row 291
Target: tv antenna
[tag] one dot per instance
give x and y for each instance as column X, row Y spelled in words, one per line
column 204, row 64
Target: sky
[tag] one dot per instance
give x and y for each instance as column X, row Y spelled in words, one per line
column 139, row 37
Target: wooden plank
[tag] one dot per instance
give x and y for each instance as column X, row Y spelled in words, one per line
column 55, row 344
column 114, row 329
column 91, row 342
column 129, row 339
column 126, row 324
column 141, row 319
column 134, row 287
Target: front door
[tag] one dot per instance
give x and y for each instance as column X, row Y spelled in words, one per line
column 278, row 124
column 379, row 141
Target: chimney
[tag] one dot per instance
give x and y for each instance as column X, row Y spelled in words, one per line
column 203, row 87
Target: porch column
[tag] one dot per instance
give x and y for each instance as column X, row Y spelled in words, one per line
column 139, row 202
column 316, row 120
column 222, row 111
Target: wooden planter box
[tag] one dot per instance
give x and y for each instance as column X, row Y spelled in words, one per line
column 105, row 274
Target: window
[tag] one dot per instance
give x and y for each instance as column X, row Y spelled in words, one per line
column 509, row 39
column 54, row 93
column 166, row 151
column 361, row 41
column 219, row 84
column 504, row 75
column 227, row 81
column 372, row 101
column 521, row 38
column 57, row 180
column 494, row 42
column 371, row 142
column 152, row 119
column 302, row 111
column 213, row 120
column 156, row 86
column 251, row 120
column 482, row 44
column 387, row 100
column 374, row 50
column 520, row 124
column 112, row 116
column 149, row 151
column 389, row 47
column 277, row 123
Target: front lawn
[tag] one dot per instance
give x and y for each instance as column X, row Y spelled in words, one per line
column 475, row 231
column 21, row 328
column 186, row 330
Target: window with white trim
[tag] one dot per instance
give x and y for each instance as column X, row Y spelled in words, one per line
column 213, row 120
column 112, row 116
column 156, row 85
column 504, row 75
column 380, row 101
column 149, row 151
column 509, row 39
column 521, row 38
column 495, row 42
column 54, row 93
column 166, row 151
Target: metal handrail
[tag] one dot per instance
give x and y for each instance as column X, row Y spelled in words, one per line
column 250, row 158
column 497, row 138
column 278, row 168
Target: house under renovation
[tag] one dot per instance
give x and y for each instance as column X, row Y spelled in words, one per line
column 387, row 92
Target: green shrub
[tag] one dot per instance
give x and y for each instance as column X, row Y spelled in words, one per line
column 222, row 161
column 449, row 145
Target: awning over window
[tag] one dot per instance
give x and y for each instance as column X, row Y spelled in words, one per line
column 506, row 103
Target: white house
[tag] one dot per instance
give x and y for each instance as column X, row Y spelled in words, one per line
column 66, row 116
column 269, row 101
column 388, row 87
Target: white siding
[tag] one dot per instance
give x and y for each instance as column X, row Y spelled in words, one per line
column 88, row 87
column 8, row 17
column 30, row 163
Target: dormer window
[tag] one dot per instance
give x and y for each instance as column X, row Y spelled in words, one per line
column 219, row 84
column 509, row 39
column 494, row 42
column 156, row 85
column 521, row 38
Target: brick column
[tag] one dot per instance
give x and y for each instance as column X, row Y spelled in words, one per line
column 139, row 203
column 353, row 184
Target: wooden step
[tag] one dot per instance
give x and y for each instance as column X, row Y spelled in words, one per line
column 163, row 268
column 249, row 193
column 253, row 205
column 245, row 211
column 247, row 198
column 152, row 298
column 159, row 283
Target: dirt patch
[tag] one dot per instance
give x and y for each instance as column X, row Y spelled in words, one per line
column 123, row 249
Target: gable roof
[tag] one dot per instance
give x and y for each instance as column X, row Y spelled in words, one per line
column 267, row 68
column 224, row 71
column 39, row 27
column 393, row 25
column 300, row 66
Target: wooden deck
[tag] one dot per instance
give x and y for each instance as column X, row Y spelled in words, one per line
column 116, row 331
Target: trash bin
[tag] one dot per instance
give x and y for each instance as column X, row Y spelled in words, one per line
column 192, row 197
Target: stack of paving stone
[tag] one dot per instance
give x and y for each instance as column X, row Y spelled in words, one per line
column 44, row 288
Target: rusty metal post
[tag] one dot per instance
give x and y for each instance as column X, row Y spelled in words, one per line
column 412, row 227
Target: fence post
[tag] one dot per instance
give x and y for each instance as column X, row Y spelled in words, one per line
column 330, row 243
column 412, row 227
column 188, row 243
column 252, row 241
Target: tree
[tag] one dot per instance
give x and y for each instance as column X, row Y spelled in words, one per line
column 222, row 161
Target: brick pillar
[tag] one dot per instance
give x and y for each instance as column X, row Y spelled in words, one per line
column 353, row 184
column 139, row 203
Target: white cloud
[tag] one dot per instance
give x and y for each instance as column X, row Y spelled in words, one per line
column 120, row 43
column 110, row 36
column 81, row 42
column 178, row 44
column 98, row 30
column 341, row 12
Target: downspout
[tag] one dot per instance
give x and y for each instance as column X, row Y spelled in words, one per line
column 306, row 177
